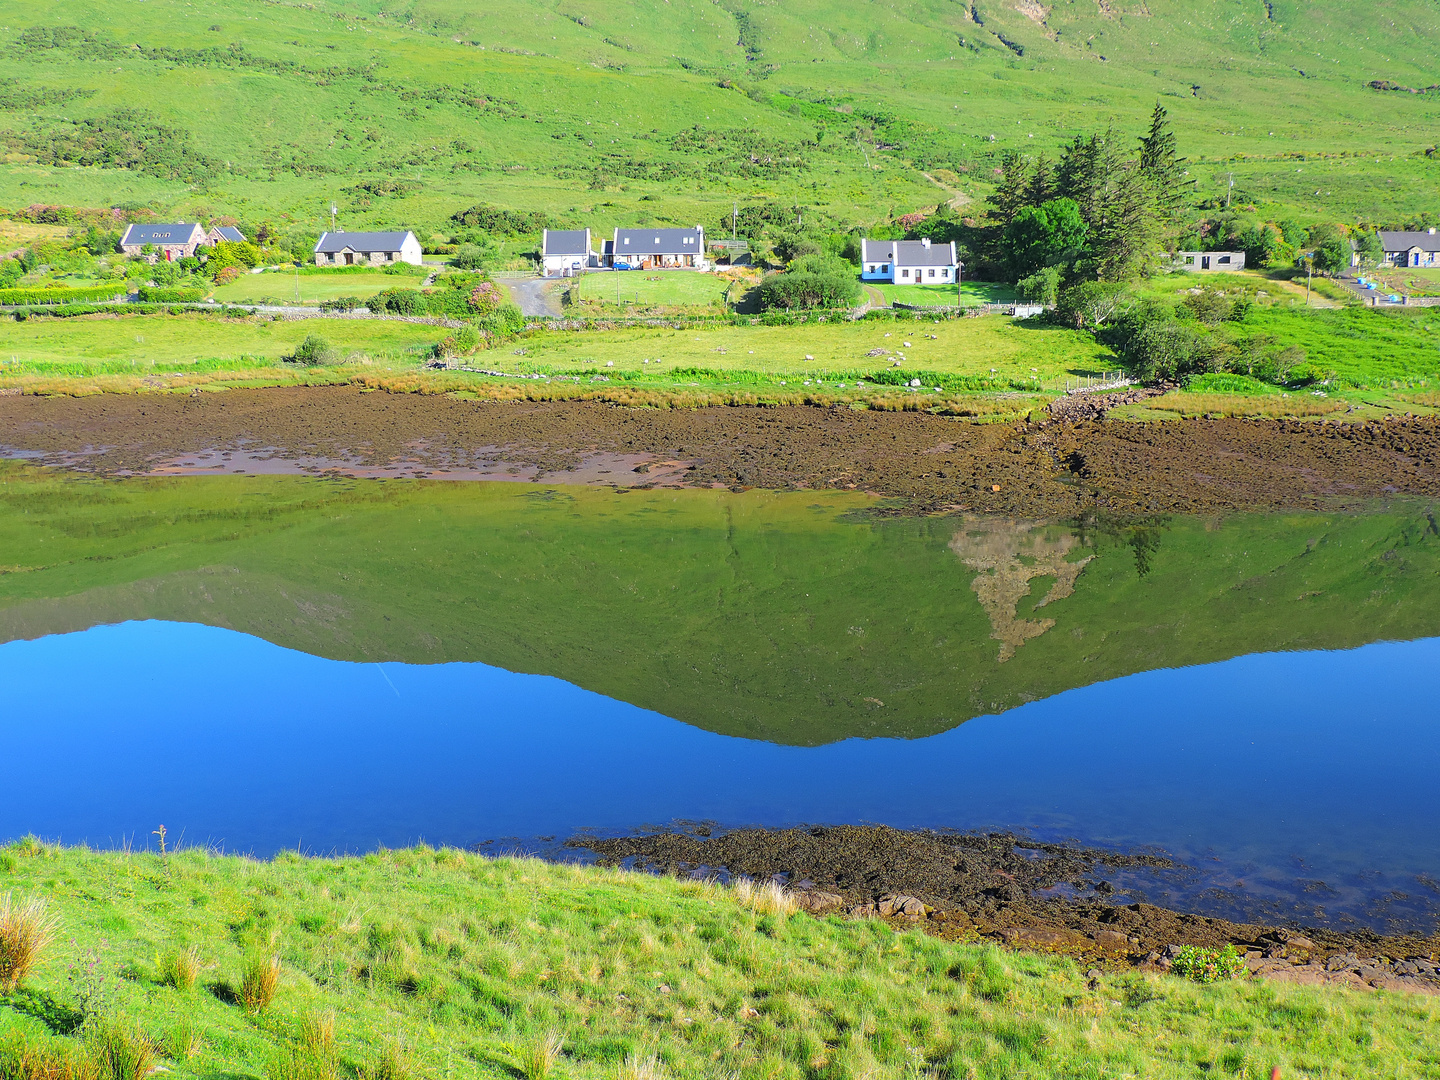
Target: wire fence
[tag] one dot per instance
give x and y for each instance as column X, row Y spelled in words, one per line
column 1086, row 384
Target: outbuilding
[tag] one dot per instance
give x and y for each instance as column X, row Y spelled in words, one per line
column 224, row 234
column 1216, row 261
column 566, row 251
column 367, row 249
column 168, row 242
column 909, row 262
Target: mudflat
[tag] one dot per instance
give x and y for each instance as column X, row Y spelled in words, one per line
column 929, row 463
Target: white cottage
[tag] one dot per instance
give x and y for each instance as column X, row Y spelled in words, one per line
column 909, row 262
column 367, row 248
column 1216, row 261
column 567, row 251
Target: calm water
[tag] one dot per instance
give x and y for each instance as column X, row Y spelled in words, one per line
column 266, row 664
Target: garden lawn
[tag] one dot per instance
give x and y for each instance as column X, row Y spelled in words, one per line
column 280, row 287
column 464, row 966
column 656, row 288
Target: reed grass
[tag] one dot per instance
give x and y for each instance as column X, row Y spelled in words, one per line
column 638, row 1067
column 537, row 1058
column 1270, row 406
column 317, row 1033
column 259, row 982
column 122, row 1053
column 183, row 1040
column 768, row 898
column 26, row 931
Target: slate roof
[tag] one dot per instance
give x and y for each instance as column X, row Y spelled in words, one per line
column 566, row 242
column 177, row 233
column 645, row 242
column 332, row 242
column 1404, row 241
column 230, row 233
column 907, row 253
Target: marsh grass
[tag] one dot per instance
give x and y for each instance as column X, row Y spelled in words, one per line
column 392, row 1064
column 1272, row 406
column 180, row 969
column 767, row 898
column 317, row 1033
column 638, row 1067
column 25, row 1058
column 26, row 931
column 258, row 983
column 182, row 1040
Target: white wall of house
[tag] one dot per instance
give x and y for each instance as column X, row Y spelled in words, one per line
column 1212, row 261
column 923, row 275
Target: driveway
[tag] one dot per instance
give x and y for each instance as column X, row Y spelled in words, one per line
column 537, row 297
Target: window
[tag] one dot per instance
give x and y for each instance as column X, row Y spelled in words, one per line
column 1224, row 258
column 627, row 239
column 932, row 272
column 945, row 273
column 904, row 273
column 870, row 269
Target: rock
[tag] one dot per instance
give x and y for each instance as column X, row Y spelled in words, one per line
column 1111, row 939
column 815, row 901
column 663, row 988
column 1370, row 973
column 862, row 911
column 1092, row 978
column 908, row 906
column 1295, row 941
column 1346, row 961
column 1173, row 950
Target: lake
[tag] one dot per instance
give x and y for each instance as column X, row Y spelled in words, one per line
column 272, row 662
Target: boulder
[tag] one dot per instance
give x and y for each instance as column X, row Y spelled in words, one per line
column 815, row 901
column 901, row 905
column 862, row 911
column 1111, row 940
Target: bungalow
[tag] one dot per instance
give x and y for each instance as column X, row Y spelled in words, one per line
column 168, row 242
column 1411, row 248
column 224, row 234
column 1222, row 261
column 653, row 249
column 567, row 251
column 366, row 248
column 909, row 262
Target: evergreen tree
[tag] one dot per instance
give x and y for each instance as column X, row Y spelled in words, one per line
column 1158, row 163
column 1041, row 188
column 1010, row 195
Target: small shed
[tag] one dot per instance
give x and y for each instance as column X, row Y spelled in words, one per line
column 224, row 234
column 1214, row 261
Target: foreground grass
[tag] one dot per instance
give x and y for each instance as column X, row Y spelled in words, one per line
column 282, row 288
column 432, row 963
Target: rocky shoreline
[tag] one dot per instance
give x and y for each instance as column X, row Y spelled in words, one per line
column 992, row 886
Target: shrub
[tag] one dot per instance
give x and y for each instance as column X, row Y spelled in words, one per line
column 468, row 257
column 227, row 275
column 259, row 983
column 1208, row 965
column 312, row 351
column 810, row 283
column 342, row 303
column 26, row 931
column 122, row 1053
column 180, row 969
column 62, row 295
column 1041, row 287
column 153, row 294
column 487, row 297
column 397, row 302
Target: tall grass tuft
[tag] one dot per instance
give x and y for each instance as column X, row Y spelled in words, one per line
column 635, row 1067
column 180, row 969
column 259, row 982
column 391, row 1065
column 22, row 1059
column 26, row 931
column 537, row 1058
column 182, row 1041
column 771, row 898
column 122, row 1053
column 317, row 1034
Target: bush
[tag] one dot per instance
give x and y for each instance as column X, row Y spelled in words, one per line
column 1208, row 965
column 492, row 219
column 26, row 931
column 62, row 295
column 1091, row 304
column 314, row 350
column 468, row 257
column 342, row 303
column 1041, row 287
column 150, row 294
column 487, row 297
column 397, row 302
column 811, row 281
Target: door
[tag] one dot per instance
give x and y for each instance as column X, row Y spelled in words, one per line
column 349, row 259
column 1204, row 262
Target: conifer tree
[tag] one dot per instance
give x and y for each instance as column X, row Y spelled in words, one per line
column 1162, row 169
column 1010, row 194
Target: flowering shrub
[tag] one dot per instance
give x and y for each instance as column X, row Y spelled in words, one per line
column 486, row 297
column 1208, row 965
column 227, row 275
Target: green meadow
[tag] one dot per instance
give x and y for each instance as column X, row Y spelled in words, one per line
column 800, row 618
column 670, row 111
column 309, row 289
column 428, row 964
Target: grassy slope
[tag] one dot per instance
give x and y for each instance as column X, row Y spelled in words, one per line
column 313, row 288
column 465, row 962
column 1249, row 90
column 762, row 615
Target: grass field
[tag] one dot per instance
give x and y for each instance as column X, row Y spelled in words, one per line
column 591, row 115
column 313, row 288
column 969, row 293
column 645, row 289
column 436, row 963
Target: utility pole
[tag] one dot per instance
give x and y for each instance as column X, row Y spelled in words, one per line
column 1228, row 190
column 333, row 210
column 1309, row 266
column 735, row 222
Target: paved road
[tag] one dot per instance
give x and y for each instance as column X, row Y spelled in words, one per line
column 536, row 296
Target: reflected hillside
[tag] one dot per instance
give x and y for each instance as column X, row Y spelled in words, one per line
column 791, row 617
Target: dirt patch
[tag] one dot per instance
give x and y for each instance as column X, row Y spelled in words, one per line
column 1038, row 470
column 991, row 886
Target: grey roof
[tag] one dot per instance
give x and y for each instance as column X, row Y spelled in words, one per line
column 908, row 253
column 1404, row 241
column 659, row 242
column 177, row 233
column 566, row 242
column 230, row 233
column 360, row 241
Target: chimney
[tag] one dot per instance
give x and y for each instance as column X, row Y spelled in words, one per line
column 926, row 240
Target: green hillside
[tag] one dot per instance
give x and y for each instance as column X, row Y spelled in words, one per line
column 792, row 617
column 631, row 111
